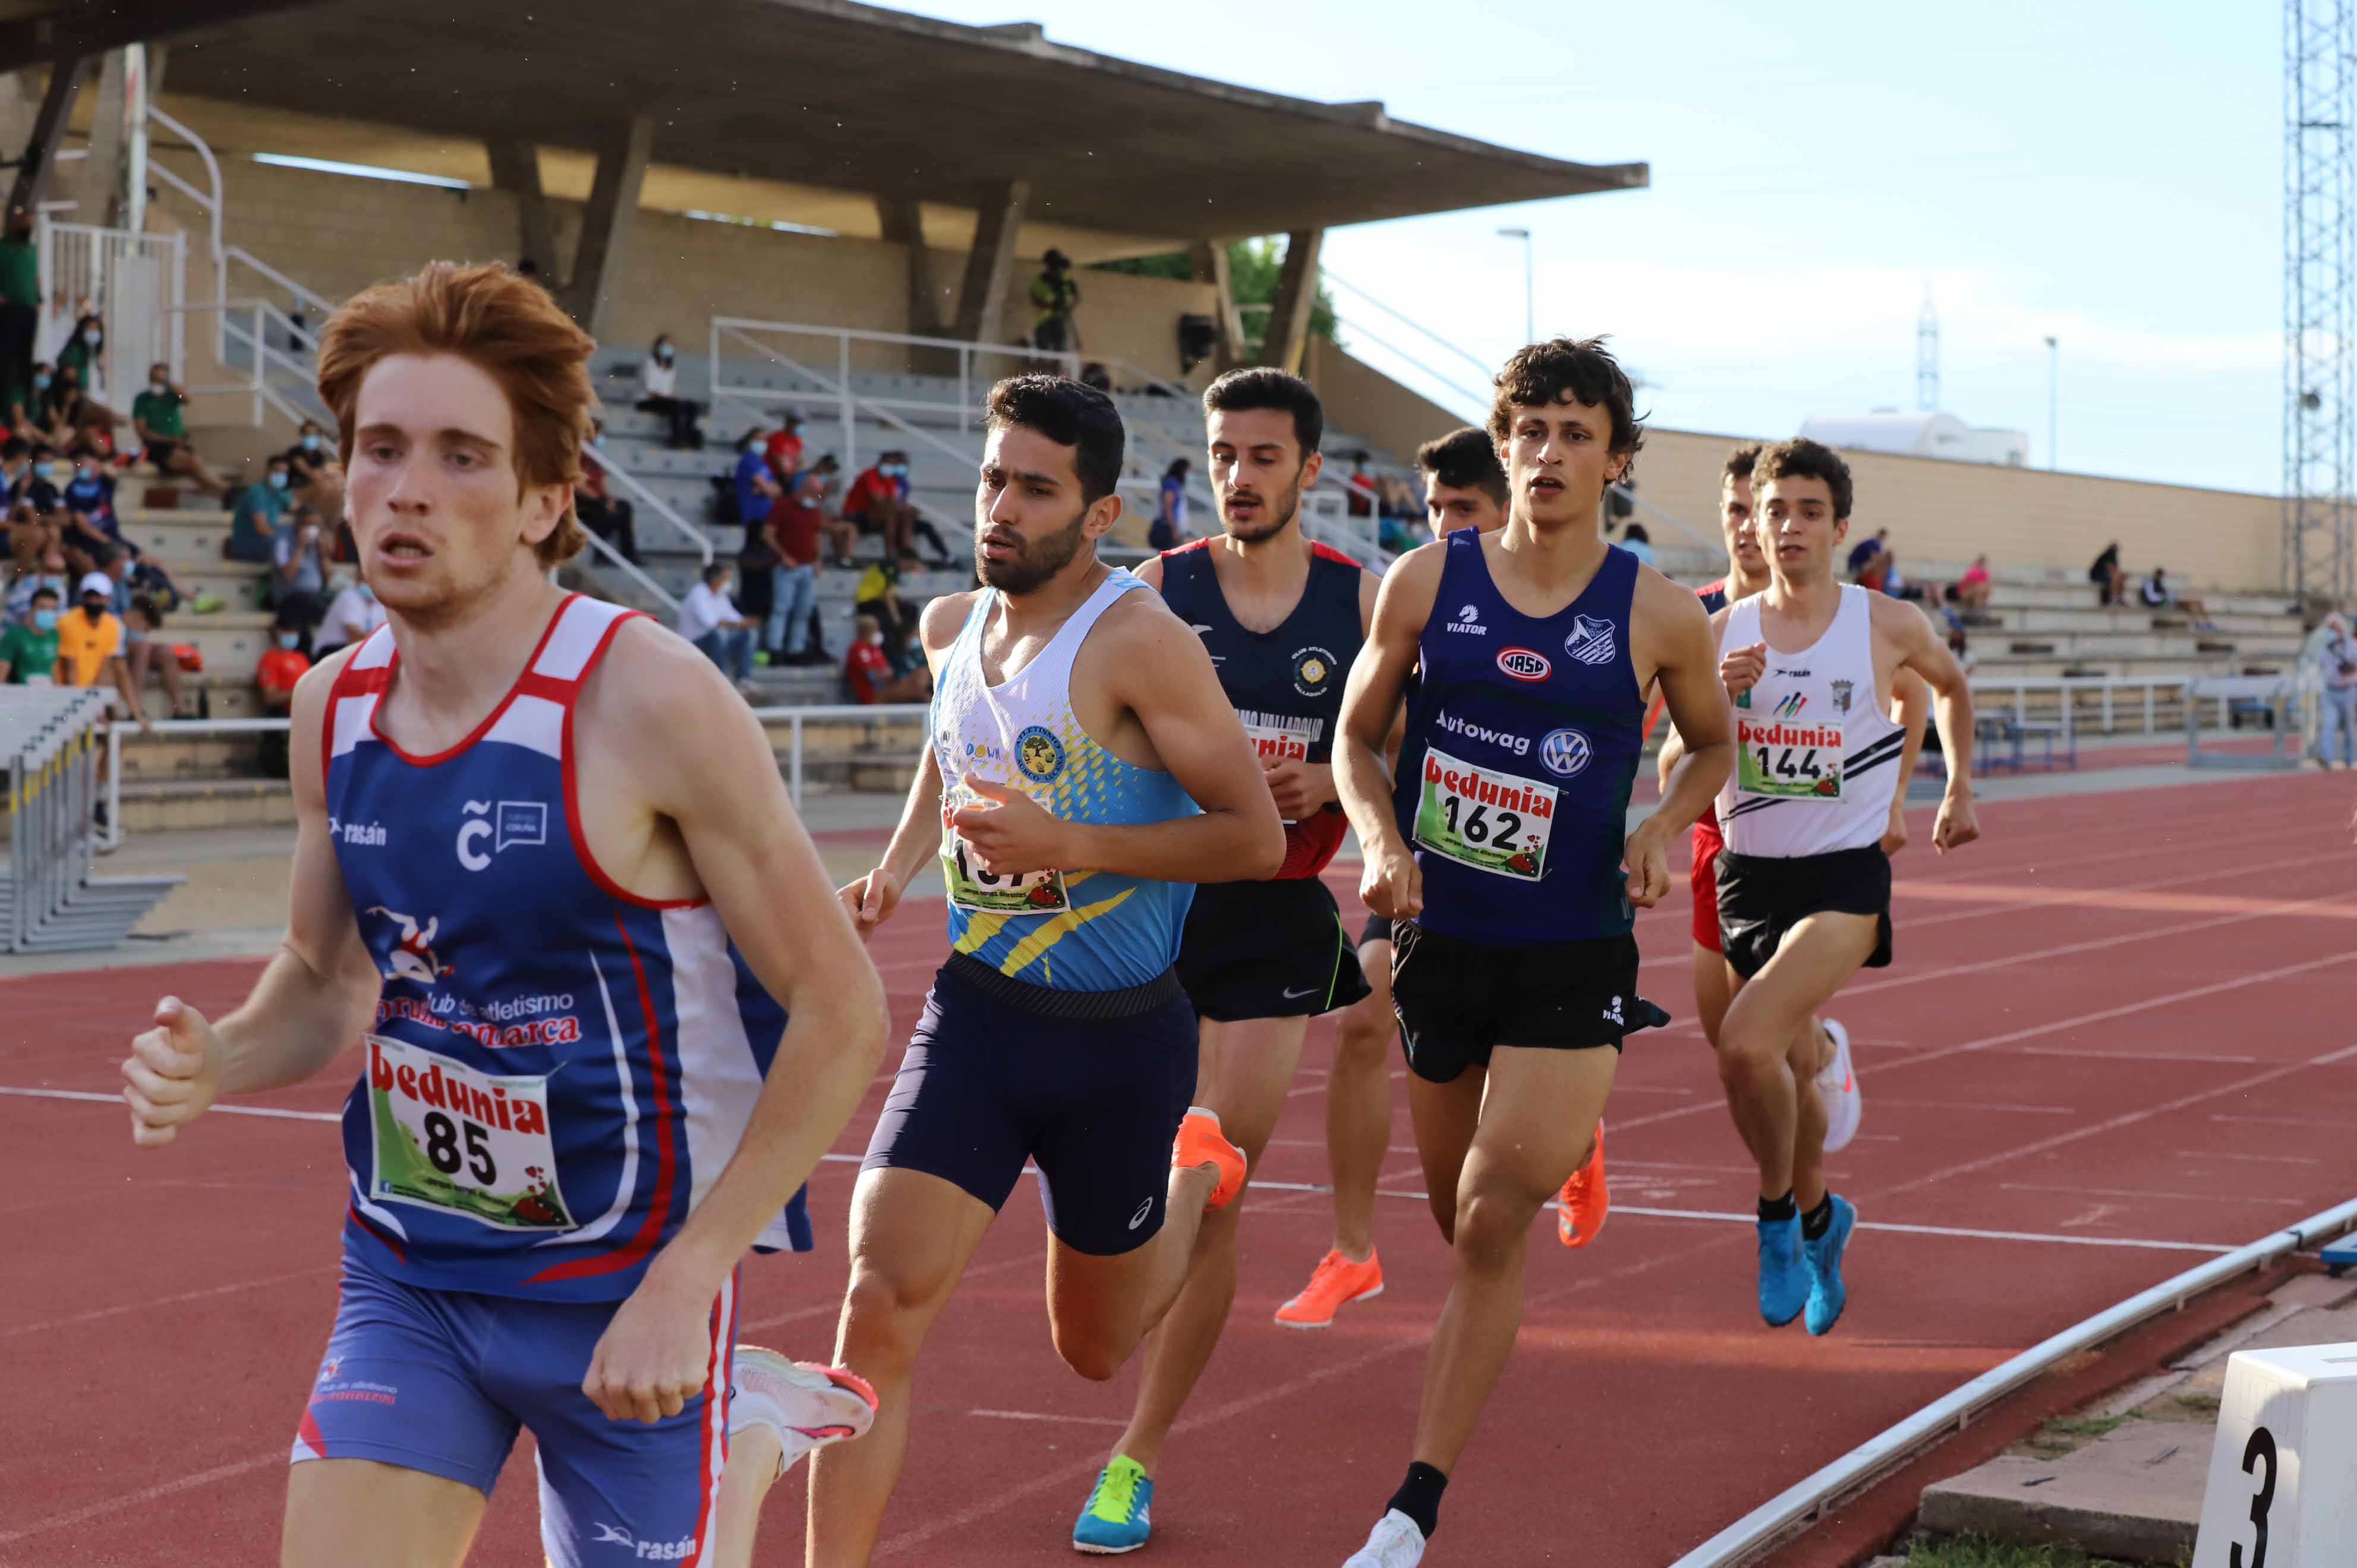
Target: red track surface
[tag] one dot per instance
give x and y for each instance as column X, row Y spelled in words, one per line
column 2123, row 1020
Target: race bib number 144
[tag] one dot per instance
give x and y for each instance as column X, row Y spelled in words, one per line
column 1787, row 761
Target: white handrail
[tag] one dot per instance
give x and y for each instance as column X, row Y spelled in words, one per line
column 1809, row 1499
column 662, row 509
column 324, row 306
column 211, row 205
column 630, row 569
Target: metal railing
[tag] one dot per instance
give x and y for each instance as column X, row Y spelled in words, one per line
column 249, row 336
column 2145, row 695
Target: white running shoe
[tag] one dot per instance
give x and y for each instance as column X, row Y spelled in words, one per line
column 1837, row 1087
column 1396, row 1543
column 807, row 1405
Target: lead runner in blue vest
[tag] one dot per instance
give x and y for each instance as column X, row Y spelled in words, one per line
column 547, row 880
column 1084, row 772
column 1502, row 856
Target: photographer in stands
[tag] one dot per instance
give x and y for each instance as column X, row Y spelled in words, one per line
column 1055, row 294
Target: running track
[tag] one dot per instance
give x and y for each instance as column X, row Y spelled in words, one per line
column 2118, row 1036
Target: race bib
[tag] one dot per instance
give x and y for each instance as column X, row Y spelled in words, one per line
column 998, row 893
column 471, row 1144
column 1278, row 739
column 1787, row 761
column 1492, row 822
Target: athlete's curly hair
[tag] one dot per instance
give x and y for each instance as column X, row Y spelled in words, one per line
column 1802, row 459
column 1541, row 373
column 1740, row 461
column 506, row 325
column 1464, row 460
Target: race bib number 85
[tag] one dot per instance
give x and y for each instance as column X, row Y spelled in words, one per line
column 471, row 1144
column 1492, row 822
column 1787, row 761
column 998, row 893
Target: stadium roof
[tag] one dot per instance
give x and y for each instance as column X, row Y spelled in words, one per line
column 826, row 92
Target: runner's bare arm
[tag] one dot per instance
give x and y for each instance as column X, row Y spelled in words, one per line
column 1371, row 704
column 870, row 899
column 1910, row 709
column 702, row 760
column 1686, row 663
column 1301, row 788
column 1920, row 650
column 314, row 999
column 1156, row 668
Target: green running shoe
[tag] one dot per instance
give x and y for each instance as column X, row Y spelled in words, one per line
column 1115, row 1520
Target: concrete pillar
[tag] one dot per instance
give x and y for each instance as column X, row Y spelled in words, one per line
column 1296, row 292
column 1209, row 258
column 990, row 265
column 96, row 187
column 35, row 171
column 609, row 223
column 515, row 166
column 903, row 225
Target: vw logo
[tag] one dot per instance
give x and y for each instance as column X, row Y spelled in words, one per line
column 1566, row 752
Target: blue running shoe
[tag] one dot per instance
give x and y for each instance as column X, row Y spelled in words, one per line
column 1826, row 1296
column 1783, row 1278
column 1116, row 1520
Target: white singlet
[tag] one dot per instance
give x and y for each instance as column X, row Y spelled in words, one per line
column 1817, row 759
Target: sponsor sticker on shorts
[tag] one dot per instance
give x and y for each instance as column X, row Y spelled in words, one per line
column 472, row 1143
column 1491, row 821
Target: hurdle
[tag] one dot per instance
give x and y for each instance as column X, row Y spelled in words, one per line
column 2277, row 696
column 50, row 901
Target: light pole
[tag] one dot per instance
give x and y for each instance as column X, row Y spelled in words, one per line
column 2054, row 387
column 1530, row 292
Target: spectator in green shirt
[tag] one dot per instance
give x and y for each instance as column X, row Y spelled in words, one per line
column 28, row 650
column 158, row 414
column 20, row 305
column 83, row 349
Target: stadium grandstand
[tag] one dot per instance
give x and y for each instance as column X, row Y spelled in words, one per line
column 806, row 258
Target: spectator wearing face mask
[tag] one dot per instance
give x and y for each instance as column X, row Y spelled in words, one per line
column 756, row 486
column 28, row 650
column 253, row 525
column 20, row 305
column 141, row 606
column 28, row 410
column 869, row 675
column 90, row 646
column 298, row 571
column 51, row 575
column 351, row 616
column 796, row 522
column 86, row 507
column 608, row 516
column 878, row 502
column 710, row 620
column 275, row 675
column 784, row 451
column 84, row 350
column 160, row 415
column 659, row 393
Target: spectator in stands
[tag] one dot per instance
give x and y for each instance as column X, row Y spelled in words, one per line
column 1358, row 490
column 310, row 455
column 1638, row 542
column 64, row 415
column 141, row 606
column 52, row 576
column 314, row 476
column 877, row 597
column 298, row 573
column 160, row 416
column 352, row 614
column 1169, row 529
column 608, row 517
column 2111, row 583
column 756, row 486
column 869, row 673
column 2336, row 658
column 30, row 536
column 253, row 523
column 1973, row 589
column 2157, row 595
column 90, row 646
column 25, row 469
column 87, row 525
column 20, row 306
column 1095, row 376
column 878, row 502
column 659, row 393
column 1896, row 586
column 709, row 618
column 283, row 664
column 28, row 650
column 796, row 522
column 784, row 450
column 1055, row 296
column 1862, row 553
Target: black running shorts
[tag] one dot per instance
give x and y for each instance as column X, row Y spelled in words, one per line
column 1761, row 899
column 1457, row 999
column 1267, row 950
column 1090, row 1086
column 1377, row 929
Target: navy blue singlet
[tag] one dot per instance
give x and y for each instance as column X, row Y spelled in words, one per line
column 1521, row 746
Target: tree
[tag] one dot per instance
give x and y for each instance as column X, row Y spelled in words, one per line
column 1254, row 268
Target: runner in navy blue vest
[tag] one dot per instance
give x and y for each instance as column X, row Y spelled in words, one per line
column 1463, row 488
column 608, row 1017
column 1502, row 856
column 1282, row 619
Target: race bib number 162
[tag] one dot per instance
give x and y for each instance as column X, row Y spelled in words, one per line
column 1491, row 821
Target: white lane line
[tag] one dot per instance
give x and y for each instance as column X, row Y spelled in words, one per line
column 146, row 1495
column 95, row 1314
column 2147, row 1193
column 1042, row 1416
column 215, row 1110
column 2324, row 1122
column 2151, row 1058
column 1882, row 1100
column 2255, row 1159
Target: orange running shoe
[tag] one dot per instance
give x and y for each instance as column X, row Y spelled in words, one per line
column 1583, row 1203
column 1201, row 1142
column 1338, row 1282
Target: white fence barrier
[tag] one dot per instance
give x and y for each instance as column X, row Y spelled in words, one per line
column 50, row 902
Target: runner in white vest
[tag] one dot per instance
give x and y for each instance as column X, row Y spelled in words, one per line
column 1805, row 884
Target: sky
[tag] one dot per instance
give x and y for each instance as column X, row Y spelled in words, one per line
column 2106, row 173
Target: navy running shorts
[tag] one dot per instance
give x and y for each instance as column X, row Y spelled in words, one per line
column 1090, row 1086
column 1267, row 950
column 441, row 1381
